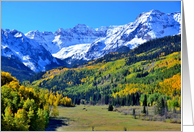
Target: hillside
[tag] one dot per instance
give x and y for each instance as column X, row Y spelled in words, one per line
column 16, row 68
column 143, row 70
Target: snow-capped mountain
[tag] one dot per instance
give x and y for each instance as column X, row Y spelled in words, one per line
column 54, row 42
column 147, row 26
column 16, row 45
column 82, row 42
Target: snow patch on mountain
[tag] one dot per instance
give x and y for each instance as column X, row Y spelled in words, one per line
column 76, row 51
column 16, row 45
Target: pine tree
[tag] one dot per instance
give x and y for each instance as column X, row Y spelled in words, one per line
column 134, row 114
column 145, row 100
column 110, row 107
column 144, row 109
column 132, row 99
column 161, row 106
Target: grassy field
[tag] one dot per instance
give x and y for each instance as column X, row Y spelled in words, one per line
column 98, row 118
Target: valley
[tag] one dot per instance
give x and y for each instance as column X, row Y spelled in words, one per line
column 143, row 86
column 116, row 78
column 98, row 118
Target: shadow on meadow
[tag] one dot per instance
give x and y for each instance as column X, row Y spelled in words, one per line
column 55, row 123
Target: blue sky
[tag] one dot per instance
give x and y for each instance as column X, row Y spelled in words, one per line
column 26, row 16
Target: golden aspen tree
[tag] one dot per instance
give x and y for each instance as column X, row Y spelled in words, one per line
column 21, row 120
column 7, row 120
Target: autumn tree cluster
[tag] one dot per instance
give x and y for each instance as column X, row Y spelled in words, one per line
column 27, row 108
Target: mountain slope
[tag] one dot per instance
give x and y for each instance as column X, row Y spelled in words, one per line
column 16, row 68
column 144, row 68
column 16, row 45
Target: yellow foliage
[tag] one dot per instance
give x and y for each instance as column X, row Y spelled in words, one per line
column 90, row 62
column 129, row 89
column 84, row 80
column 169, row 63
column 50, row 74
column 171, row 86
column 19, row 105
column 7, row 78
column 162, row 54
column 70, row 83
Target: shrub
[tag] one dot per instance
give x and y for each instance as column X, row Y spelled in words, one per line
column 174, row 121
column 147, row 118
column 92, row 128
column 110, row 107
column 154, row 118
column 167, row 120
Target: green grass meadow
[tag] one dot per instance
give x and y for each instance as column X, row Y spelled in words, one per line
column 98, row 118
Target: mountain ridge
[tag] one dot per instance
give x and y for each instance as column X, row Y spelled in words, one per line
column 86, row 43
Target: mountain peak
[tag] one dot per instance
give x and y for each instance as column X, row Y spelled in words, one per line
column 13, row 31
column 149, row 13
column 36, row 31
column 60, row 30
column 33, row 34
column 82, row 28
column 80, row 25
column 154, row 11
column 5, row 30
